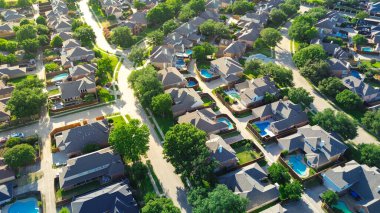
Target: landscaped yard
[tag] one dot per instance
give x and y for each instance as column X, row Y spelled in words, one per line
column 53, row 92
column 140, row 181
column 105, row 96
column 165, row 122
column 118, row 121
column 207, row 101
column 61, row 195
column 245, row 152
column 17, row 80
column 368, row 63
column 265, row 51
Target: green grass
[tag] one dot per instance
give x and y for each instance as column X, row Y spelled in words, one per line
column 155, row 178
column 165, row 122
column 142, row 185
column 53, row 92
column 368, row 63
column 118, row 121
column 61, row 194
column 98, row 12
column 156, row 129
column 207, row 101
column 18, row 80
column 105, row 95
column 265, row 51
column 230, row 134
column 245, row 152
column 243, row 115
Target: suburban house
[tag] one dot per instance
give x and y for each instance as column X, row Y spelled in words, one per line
column 6, row 173
column 139, row 20
column 70, row 44
column 248, row 35
column 12, row 71
column 64, row 35
column 339, row 68
column 332, row 49
column 6, row 193
column 319, row 147
column 359, row 181
column 190, row 29
column 325, row 26
column 4, row 114
column 204, row 119
column 229, row 69
column 178, row 42
column 251, row 182
column 5, row 91
column 6, row 31
column 171, row 78
column 222, row 152
column 114, row 198
column 235, row 50
column 113, row 11
column 73, row 141
column 103, row 165
column 365, row 91
column 72, row 92
column 65, row 62
column 62, row 26
column 283, row 116
column 80, row 54
column 261, row 18
column 184, row 100
column 208, row 14
column 162, row 57
column 81, row 71
column 252, row 92
column 11, row 16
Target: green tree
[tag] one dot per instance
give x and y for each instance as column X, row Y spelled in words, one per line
column 160, row 14
column 26, row 32
column 104, row 67
column 288, row 9
column 271, row 36
column 175, row 5
column 51, row 67
column 137, row 55
column 26, row 102
column 138, row 4
column 136, row 74
column 359, row 39
column 241, row 7
column 30, row 83
column 197, row 6
column 302, row 28
column 41, row 20
column 369, row 154
column 19, row 155
column 330, row 197
column 155, row 38
column 25, row 21
column 76, row 23
column 317, row 12
column 23, row 3
column 43, row 40
column 122, row 36
column 280, row 75
column 316, row 71
column 161, row 104
column 186, row 14
column 169, row 26
column 147, row 87
column 11, row 142
column 300, row 95
column 314, row 52
column 56, row 42
column 336, row 122
column 30, row 45
column 222, row 200
column 2, row 3
column 278, row 173
column 196, row 195
column 130, row 140
column 85, row 34
column 277, row 16
column 331, row 86
column 201, row 52
column 252, row 67
column 362, row 15
column 42, row 30
column 371, row 121
column 185, row 148
column 291, row 191
column 159, row 205
column 349, row 100
column 64, row 210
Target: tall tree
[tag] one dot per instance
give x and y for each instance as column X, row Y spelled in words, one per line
column 291, row 191
column 331, row 86
column 161, row 104
column 27, row 31
column 349, row 100
column 155, row 38
column 130, row 140
column 277, row 16
column 302, row 28
column 137, row 55
column 316, row 71
column 371, row 121
column 159, row 14
column 20, row 155
column 41, row 20
column 56, row 42
column 122, row 36
column 370, row 154
column 271, row 36
column 169, row 26
column 300, row 95
column 314, row 52
column 85, row 34
column 278, row 173
column 159, row 205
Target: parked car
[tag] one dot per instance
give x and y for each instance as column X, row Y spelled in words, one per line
column 58, row 83
column 17, row 135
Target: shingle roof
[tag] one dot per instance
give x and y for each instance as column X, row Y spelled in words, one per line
column 73, row 89
column 13, row 71
column 235, row 47
column 227, row 65
column 359, row 87
column 337, row 65
column 170, row 76
column 162, row 54
column 139, row 18
column 255, row 88
column 220, row 150
column 6, row 192
column 79, row 52
column 83, row 69
column 203, row 119
column 184, row 99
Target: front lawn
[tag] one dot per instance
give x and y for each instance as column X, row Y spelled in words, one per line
column 139, row 180
column 118, row 121
column 105, row 95
column 165, row 122
column 245, row 152
column 18, row 80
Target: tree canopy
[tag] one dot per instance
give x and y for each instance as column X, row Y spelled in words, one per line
column 122, row 36
column 271, row 36
column 137, row 55
column 359, row 39
column 85, row 34
column 169, row 26
column 19, row 155
column 349, row 100
column 130, row 140
column 277, row 16
column 302, row 28
column 371, row 121
column 278, row 173
column 300, row 95
column 316, row 71
column 331, row 86
column 27, row 31
column 330, row 197
column 155, row 38
column 213, row 28
column 161, row 104
column 56, row 42
column 159, row 205
column 369, row 154
column 159, row 14
column 241, row 7
column 201, row 52
column 314, row 52
column 291, row 191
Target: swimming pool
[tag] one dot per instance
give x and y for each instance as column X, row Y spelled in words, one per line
column 60, row 77
column 180, row 62
column 295, row 161
column 341, row 205
column 28, row 205
column 205, row 73
column 338, row 34
column 191, row 83
column 367, row 49
column 189, row 52
column 264, row 128
column 233, row 94
column 226, row 121
column 356, row 74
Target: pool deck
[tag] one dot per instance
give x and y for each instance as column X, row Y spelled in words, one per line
column 238, row 106
column 5, row 209
column 303, row 161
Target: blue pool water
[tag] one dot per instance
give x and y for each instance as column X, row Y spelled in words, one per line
column 180, row 61
column 341, row 35
column 24, row 206
column 191, row 83
column 341, row 205
column 356, row 74
column 59, row 77
column 367, row 49
column 295, row 161
column 263, row 126
column 206, row 73
column 226, row 121
column 189, row 52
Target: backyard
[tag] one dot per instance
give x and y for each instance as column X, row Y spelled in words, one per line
column 369, row 64
column 245, row 151
column 165, row 122
column 18, row 80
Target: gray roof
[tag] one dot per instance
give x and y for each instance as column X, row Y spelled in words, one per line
column 220, row 150
column 248, row 34
column 325, row 24
column 72, row 89
column 139, row 18
column 75, row 139
column 360, row 88
column 6, row 192
column 247, row 182
column 337, row 65
column 13, row 71
column 318, row 145
column 259, row 18
column 80, row 52
column 115, row 198
column 175, row 39
column 284, row 113
column 104, row 162
column 258, row 87
column 70, row 43
column 209, row 15
column 5, row 170
column 5, row 27
column 6, row 90
column 184, row 99
column 162, row 54
column 235, row 47
column 170, row 76
column 83, row 69
column 362, row 179
column 64, row 35
column 204, row 119
column 227, row 66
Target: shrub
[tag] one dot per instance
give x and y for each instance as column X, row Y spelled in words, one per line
column 284, row 152
column 330, row 197
column 51, row 67
column 373, row 61
column 11, row 142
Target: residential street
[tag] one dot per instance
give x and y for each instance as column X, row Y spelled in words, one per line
column 284, row 57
